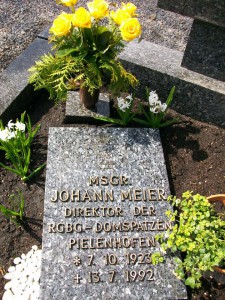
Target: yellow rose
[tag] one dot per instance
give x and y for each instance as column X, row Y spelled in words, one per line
column 130, row 29
column 129, row 7
column 82, row 18
column 61, row 25
column 98, row 8
column 120, row 16
column 68, row 2
column 69, row 17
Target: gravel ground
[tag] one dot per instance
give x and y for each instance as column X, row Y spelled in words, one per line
column 22, row 20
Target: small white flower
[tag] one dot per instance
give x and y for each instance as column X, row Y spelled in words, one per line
column 156, row 106
column 20, row 126
column 123, row 104
column 154, row 110
column 163, row 107
column 4, row 134
column 153, row 98
column 11, row 125
column 11, row 135
column 159, row 107
column 129, row 98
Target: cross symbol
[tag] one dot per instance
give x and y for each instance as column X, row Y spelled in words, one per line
column 77, row 279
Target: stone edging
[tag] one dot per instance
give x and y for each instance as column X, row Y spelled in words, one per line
column 157, row 67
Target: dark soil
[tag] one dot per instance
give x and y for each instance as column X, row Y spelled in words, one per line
column 195, row 158
column 219, row 207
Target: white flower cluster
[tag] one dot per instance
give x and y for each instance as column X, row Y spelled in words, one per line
column 11, row 130
column 24, row 277
column 124, row 104
column 156, row 106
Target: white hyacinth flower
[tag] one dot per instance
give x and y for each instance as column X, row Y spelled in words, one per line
column 20, row 126
column 158, row 108
column 4, row 134
column 11, row 125
column 153, row 98
column 123, row 104
column 11, row 135
column 163, row 107
column 129, row 98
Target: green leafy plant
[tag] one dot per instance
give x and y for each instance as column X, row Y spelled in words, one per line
column 86, row 50
column 156, row 110
column 16, row 143
column 157, row 258
column 16, row 213
column 124, row 110
column 199, row 233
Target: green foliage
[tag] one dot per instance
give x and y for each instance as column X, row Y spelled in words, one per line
column 16, row 213
column 16, row 143
column 157, row 258
column 199, row 233
column 86, row 56
column 53, row 74
column 157, row 111
column 56, row 73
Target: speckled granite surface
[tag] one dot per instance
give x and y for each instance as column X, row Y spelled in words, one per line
column 75, row 154
column 76, row 112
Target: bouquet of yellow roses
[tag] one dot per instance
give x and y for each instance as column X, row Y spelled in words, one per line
column 87, row 42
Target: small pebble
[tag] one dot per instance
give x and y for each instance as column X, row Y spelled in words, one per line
column 17, row 260
column 24, row 277
column 11, row 269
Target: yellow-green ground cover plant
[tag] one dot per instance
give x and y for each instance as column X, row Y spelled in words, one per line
column 199, row 233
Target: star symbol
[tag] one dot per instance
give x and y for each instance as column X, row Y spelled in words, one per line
column 77, row 261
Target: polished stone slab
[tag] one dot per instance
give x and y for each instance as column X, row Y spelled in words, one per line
column 76, row 112
column 205, row 50
column 15, row 93
column 214, row 10
column 90, row 263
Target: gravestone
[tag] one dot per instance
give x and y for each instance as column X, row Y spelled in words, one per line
column 205, row 50
column 105, row 200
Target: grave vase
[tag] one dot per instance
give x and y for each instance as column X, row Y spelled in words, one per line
column 87, row 99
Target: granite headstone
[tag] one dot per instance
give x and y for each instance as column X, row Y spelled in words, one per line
column 105, row 200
